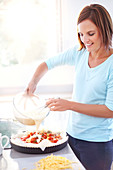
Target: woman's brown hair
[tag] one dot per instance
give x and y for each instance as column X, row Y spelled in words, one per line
column 102, row 19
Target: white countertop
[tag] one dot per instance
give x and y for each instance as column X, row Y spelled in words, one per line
column 13, row 160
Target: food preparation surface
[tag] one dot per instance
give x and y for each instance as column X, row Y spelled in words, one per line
column 12, row 159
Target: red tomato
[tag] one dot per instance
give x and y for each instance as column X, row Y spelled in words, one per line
column 50, row 138
column 32, row 133
column 33, row 140
column 25, row 137
column 50, row 134
column 54, row 140
column 28, row 136
column 58, row 137
column 45, row 136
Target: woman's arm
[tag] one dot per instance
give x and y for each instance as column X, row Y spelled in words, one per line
column 87, row 109
column 39, row 73
column 67, row 57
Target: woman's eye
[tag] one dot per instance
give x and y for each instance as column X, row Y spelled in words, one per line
column 91, row 34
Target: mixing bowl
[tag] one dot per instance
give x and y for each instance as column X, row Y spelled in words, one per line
column 28, row 109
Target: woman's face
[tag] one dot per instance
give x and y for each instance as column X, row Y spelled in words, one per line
column 89, row 35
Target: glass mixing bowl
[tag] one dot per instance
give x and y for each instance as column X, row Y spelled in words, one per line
column 28, row 109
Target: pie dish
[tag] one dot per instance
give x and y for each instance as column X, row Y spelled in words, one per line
column 39, row 142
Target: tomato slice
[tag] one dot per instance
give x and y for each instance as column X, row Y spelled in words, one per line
column 45, row 136
column 25, row 137
column 32, row 133
column 33, row 140
column 54, row 140
column 50, row 138
column 50, row 134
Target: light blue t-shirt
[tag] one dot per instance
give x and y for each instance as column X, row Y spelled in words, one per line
column 91, row 86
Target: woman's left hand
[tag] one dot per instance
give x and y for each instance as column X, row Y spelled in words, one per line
column 58, row 104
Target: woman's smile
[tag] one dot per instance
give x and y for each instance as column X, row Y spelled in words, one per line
column 88, row 45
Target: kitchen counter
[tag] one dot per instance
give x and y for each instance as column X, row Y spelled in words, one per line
column 13, row 160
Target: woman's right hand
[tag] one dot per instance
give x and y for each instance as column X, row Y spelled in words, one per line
column 39, row 73
column 31, row 88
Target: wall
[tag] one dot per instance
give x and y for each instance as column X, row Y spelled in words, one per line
column 70, row 12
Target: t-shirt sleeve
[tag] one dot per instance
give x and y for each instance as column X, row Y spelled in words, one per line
column 65, row 58
column 109, row 97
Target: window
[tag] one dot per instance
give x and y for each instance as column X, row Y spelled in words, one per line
column 29, row 32
column 27, row 28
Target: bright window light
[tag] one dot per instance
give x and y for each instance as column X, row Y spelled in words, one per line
column 28, row 35
column 27, row 30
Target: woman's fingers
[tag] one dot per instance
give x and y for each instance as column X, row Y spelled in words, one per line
column 57, row 104
column 51, row 101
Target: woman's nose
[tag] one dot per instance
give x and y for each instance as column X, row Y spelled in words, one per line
column 85, row 39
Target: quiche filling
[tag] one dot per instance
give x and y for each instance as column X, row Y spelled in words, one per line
column 37, row 137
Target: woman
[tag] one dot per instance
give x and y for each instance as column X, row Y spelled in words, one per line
column 90, row 126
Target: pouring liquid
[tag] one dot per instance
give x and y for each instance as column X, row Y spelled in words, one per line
column 38, row 123
column 38, row 117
